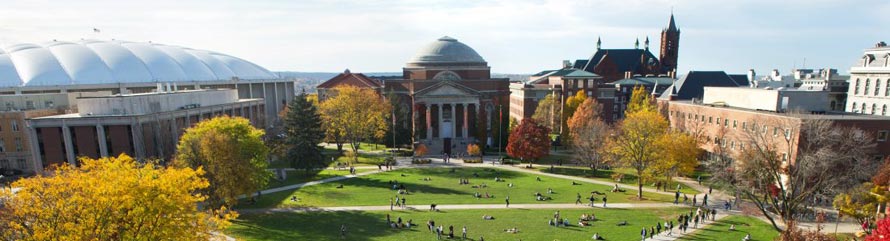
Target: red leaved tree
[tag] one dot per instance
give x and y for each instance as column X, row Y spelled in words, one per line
column 881, row 232
column 529, row 141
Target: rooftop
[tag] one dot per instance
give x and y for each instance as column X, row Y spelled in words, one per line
column 831, row 115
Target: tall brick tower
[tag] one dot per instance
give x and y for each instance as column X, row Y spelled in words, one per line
column 670, row 44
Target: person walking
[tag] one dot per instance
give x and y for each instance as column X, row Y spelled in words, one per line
column 643, row 233
column 704, row 200
column 463, row 234
column 343, row 231
column 403, row 202
column 677, row 197
column 390, row 204
column 713, row 214
column 507, row 200
column 604, row 201
column 658, row 227
column 578, row 200
column 694, row 199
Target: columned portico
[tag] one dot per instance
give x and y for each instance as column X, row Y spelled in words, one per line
column 447, row 123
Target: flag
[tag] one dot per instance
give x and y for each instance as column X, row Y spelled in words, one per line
column 96, row 30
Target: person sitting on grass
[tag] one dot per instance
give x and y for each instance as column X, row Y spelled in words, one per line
column 538, row 178
column 732, row 227
column 583, row 223
column 747, row 237
column 487, row 217
column 488, row 196
column 623, row 223
column 510, row 185
column 549, row 190
column 512, row 230
column 596, row 236
column 477, row 195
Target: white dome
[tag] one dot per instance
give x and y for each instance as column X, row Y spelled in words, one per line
column 110, row 62
column 446, row 50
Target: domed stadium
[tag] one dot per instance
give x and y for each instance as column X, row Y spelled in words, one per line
column 446, row 51
column 59, row 63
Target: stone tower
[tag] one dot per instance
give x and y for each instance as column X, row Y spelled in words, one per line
column 670, row 44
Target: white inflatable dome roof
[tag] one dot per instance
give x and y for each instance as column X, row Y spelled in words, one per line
column 111, row 62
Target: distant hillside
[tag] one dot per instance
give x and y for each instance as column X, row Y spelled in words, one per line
column 308, row 80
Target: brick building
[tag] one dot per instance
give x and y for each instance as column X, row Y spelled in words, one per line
column 448, row 96
column 722, row 118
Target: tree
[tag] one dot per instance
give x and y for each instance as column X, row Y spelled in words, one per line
column 113, row 198
column 303, row 134
column 356, row 114
column 638, row 142
column 420, row 150
column 571, row 105
column 233, row 154
column 881, row 232
column 588, row 133
column 857, row 203
column 780, row 170
column 640, row 100
column 529, row 141
column 473, row 150
column 402, row 132
column 547, row 112
column 679, row 154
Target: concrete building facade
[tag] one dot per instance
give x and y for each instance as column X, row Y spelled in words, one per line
column 145, row 126
column 869, row 91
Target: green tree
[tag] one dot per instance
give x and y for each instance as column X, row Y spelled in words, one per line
column 303, row 134
column 547, row 112
column 232, row 153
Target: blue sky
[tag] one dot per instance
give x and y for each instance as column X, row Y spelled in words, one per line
column 513, row 36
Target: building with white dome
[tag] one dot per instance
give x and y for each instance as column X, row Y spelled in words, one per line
column 447, row 90
column 37, row 78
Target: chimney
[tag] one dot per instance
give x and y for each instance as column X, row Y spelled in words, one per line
column 673, row 74
column 628, row 74
column 566, row 64
column 751, row 75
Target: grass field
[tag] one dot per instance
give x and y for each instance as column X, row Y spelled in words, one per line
column 532, row 224
column 299, row 176
column 606, row 175
column 443, row 188
column 759, row 230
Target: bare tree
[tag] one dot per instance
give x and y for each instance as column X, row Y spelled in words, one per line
column 783, row 162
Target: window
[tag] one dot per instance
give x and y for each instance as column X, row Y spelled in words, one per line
column 735, row 124
column 884, row 110
column 867, row 84
column 863, row 108
column 718, row 121
column 874, row 109
column 854, row 107
column 18, row 144
column 29, row 105
column 877, row 86
column 726, row 122
column 887, row 88
column 787, row 133
column 49, row 104
column 856, row 90
column 732, row 145
column 710, row 120
column 775, row 131
column 15, row 125
column 882, row 136
column 22, row 164
column 2, row 146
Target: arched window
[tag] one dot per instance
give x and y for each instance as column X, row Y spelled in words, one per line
column 854, row 108
column 867, row 84
column 877, row 86
column 446, row 75
column 863, row 108
column 887, row 88
column 884, row 110
column 856, row 90
column 874, row 109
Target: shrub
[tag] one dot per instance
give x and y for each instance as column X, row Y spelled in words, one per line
column 473, row 160
column 421, row 161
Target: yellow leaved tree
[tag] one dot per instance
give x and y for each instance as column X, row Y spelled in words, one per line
column 112, row 198
column 637, row 144
column 355, row 114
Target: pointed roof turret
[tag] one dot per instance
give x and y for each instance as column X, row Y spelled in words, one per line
column 599, row 43
column 646, row 43
column 637, row 44
column 672, row 26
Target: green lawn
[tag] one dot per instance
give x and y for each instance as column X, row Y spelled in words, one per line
column 375, row 190
column 759, row 230
column 606, row 175
column 299, row 176
column 532, row 224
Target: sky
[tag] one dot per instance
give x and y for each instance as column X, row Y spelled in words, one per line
column 514, row 36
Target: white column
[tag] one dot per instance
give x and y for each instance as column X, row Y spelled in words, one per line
column 100, row 137
column 69, row 144
column 138, row 145
column 439, row 117
column 35, row 149
column 466, row 125
column 453, row 121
